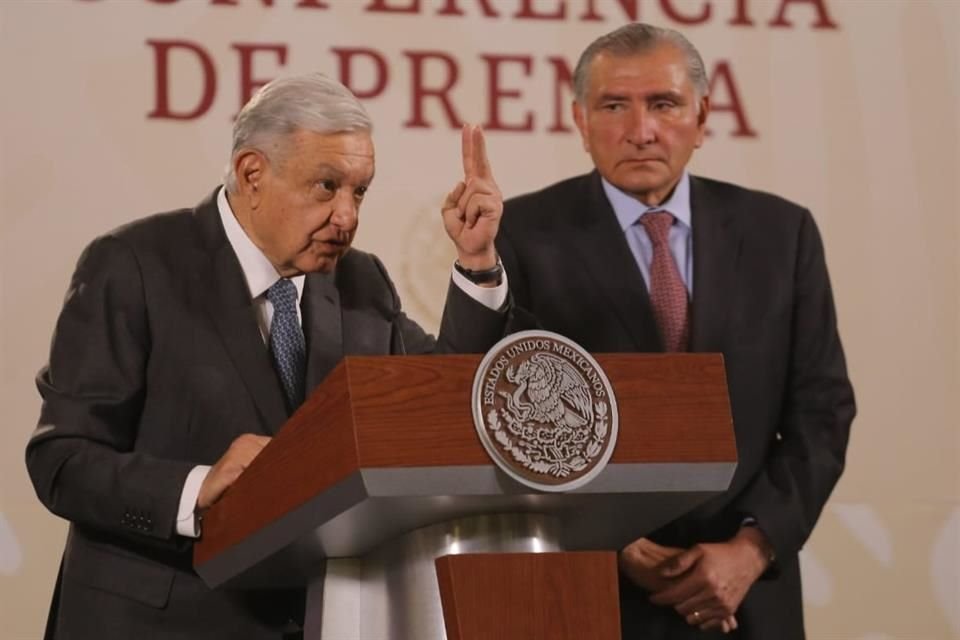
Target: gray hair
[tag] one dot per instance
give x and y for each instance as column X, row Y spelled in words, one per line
column 638, row 38
column 311, row 102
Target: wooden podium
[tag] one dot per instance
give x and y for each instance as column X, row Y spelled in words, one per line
column 383, row 464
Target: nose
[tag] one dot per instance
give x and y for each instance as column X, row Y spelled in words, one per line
column 345, row 211
column 642, row 128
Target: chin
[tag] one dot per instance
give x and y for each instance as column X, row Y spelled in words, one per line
column 318, row 264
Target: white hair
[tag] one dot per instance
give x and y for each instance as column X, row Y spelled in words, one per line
column 311, row 102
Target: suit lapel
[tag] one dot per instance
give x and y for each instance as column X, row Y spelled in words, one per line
column 322, row 326
column 228, row 302
column 716, row 252
column 606, row 256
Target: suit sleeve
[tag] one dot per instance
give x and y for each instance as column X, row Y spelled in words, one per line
column 82, row 457
column 519, row 318
column 808, row 455
column 467, row 326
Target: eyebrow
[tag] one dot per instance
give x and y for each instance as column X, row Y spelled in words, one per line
column 330, row 171
column 676, row 96
column 607, row 97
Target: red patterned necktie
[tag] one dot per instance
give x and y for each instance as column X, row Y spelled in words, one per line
column 667, row 291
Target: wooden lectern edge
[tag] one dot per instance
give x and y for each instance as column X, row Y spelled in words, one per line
column 345, row 375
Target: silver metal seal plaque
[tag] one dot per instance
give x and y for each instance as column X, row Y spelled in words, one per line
column 545, row 411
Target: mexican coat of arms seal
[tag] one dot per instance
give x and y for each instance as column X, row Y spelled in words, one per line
column 545, row 411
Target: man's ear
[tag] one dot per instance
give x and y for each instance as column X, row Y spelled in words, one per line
column 580, row 118
column 249, row 168
column 702, row 119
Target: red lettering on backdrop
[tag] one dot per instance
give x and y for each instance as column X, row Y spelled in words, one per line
column 722, row 75
column 823, row 19
column 741, row 19
column 161, row 52
column 249, row 86
column 302, row 4
column 346, row 56
column 671, row 12
column 527, row 11
column 630, row 10
column 496, row 93
column 562, row 79
column 451, row 8
column 418, row 91
column 233, row 3
column 383, row 6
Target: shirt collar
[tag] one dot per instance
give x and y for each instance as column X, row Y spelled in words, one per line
column 258, row 271
column 628, row 209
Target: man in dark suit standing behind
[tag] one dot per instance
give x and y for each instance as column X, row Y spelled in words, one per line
column 187, row 339
column 641, row 256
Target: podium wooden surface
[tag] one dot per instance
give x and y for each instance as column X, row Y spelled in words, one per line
column 387, row 445
column 530, row 596
column 383, row 431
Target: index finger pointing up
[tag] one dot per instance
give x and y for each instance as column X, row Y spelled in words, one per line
column 475, row 163
column 466, row 150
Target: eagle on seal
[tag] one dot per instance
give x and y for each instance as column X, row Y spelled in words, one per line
column 556, row 393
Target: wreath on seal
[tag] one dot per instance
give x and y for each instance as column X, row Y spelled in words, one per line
column 549, row 423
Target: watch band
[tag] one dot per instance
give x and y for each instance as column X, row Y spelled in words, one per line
column 486, row 276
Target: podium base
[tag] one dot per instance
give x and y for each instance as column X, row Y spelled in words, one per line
column 393, row 593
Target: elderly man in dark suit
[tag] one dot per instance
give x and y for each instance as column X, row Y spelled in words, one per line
column 187, row 338
column 641, row 256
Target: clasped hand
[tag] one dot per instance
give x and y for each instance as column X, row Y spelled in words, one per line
column 704, row 584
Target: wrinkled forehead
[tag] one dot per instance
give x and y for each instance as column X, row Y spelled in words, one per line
column 312, row 147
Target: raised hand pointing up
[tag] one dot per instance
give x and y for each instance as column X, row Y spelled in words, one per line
column 472, row 210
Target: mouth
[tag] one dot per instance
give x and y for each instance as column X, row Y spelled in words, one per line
column 640, row 160
column 329, row 247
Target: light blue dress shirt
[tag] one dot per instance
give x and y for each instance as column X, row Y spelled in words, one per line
column 628, row 210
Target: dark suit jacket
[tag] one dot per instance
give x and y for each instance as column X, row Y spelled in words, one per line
column 157, row 365
column 762, row 298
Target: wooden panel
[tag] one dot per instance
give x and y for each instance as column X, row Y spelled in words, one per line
column 313, row 451
column 415, row 411
column 530, row 596
column 673, row 407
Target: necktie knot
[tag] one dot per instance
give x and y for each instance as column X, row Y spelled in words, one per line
column 283, row 296
column 657, row 225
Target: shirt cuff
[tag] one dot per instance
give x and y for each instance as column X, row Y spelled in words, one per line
column 186, row 522
column 490, row 297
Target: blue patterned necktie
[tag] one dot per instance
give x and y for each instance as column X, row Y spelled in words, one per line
column 286, row 341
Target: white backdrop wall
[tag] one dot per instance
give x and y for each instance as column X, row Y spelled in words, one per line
column 113, row 109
